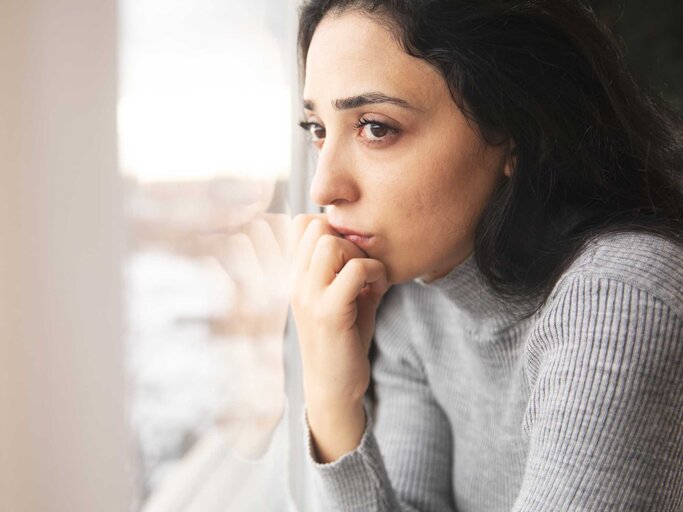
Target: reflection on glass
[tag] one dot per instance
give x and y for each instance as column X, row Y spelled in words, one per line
column 203, row 92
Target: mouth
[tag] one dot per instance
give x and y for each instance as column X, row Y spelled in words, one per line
column 362, row 240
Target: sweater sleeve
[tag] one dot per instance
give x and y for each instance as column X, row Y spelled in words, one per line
column 605, row 414
column 404, row 459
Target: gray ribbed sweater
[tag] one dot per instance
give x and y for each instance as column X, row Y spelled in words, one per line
column 579, row 407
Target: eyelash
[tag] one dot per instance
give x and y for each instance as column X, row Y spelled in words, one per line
column 361, row 123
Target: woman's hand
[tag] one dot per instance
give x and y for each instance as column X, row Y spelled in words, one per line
column 335, row 293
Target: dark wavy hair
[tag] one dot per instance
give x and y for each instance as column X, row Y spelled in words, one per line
column 595, row 150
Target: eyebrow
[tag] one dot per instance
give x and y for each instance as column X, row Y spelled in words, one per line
column 368, row 98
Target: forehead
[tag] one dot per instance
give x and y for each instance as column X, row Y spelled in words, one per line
column 351, row 53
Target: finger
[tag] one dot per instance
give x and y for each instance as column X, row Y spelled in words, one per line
column 314, row 230
column 359, row 274
column 266, row 247
column 281, row 226
column 329, row 257
column 299, row 225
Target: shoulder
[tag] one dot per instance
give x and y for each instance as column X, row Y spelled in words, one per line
column 635, row 261
column 624, row 290
column 618, row 309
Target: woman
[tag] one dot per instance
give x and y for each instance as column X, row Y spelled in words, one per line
column 496, row 180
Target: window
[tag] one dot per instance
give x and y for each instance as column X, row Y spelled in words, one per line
column 205, row 114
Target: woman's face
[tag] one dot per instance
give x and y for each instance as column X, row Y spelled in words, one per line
column 397, row 159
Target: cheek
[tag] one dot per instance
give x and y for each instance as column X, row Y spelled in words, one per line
column 462, row 187
column 428, row 204
column 421, row 200
column 432, row 224
column 421, row 233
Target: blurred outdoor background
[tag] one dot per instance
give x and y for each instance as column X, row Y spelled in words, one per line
column 205, row 146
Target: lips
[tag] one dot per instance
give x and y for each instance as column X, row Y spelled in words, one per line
column 349, row 232
column 362, row 240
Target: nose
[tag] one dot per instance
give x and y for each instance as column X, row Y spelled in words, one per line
column 334, row 181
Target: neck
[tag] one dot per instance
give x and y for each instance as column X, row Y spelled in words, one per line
column 464, row 286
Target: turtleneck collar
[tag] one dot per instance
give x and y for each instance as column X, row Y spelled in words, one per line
column 464, row 286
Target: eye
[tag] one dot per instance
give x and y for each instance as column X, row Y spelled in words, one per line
column 373, row 131
column 316, row 131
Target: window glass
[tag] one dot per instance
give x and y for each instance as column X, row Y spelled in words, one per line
column 205, row 133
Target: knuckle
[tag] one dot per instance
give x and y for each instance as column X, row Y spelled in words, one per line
column 299, row 219
column 328, row 242
column 300, row 222
column 307, row 229
column 356, row 267
column 315, row 224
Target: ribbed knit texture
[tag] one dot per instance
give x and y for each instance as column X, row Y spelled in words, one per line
column 579, row 407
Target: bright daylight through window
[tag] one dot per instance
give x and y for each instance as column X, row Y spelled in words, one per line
column 204, row 137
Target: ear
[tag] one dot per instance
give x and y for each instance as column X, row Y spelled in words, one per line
column 511, row 160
